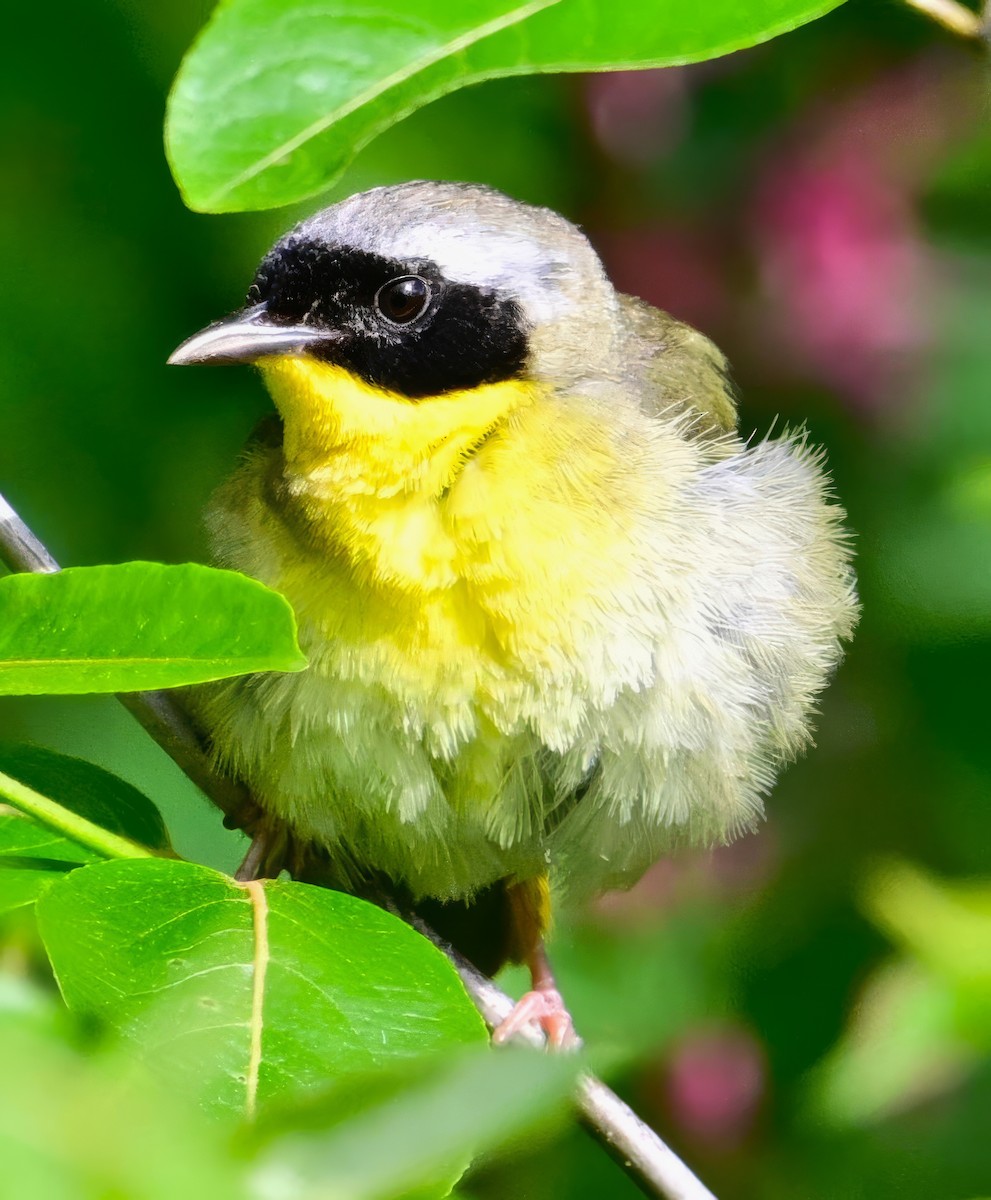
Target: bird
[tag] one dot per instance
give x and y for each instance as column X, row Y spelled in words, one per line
column 561, row 618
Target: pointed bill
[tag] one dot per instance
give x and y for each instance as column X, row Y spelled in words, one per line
column 246, row 337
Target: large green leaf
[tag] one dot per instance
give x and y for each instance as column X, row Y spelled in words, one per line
column 137, row 626
column 276, row 97
column 241, row 993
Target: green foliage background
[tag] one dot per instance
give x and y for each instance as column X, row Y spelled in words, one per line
column 854, row 987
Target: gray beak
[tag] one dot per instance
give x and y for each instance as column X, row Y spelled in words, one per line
column 246, row 337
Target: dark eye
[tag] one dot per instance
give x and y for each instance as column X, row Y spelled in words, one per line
column 403, row 300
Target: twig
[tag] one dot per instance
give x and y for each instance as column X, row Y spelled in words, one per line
column 649, row 1162
column 19, row 548
column 957, row 18
column 645, row 1158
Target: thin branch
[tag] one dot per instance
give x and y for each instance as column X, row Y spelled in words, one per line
column 957, row 18
column 648, row 1161
column 19, row 548
column 645, row 1158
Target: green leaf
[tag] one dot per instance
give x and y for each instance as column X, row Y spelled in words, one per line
column 64, row 821
column 240, row 993
column 83, row 788
column 903, row 1047
column 434, row 1117
column 22, row 838
column 275, row 98
column 23, row 881
column 947, row 926
column 137, row 626
column 78, row 1126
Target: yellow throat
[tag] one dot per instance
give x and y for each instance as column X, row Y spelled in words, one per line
column 389, row 442
column 372, row 469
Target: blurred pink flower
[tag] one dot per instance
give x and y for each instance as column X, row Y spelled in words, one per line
column 845, row 275
column 637, row 116
column 712, row 1085
column 843, row 272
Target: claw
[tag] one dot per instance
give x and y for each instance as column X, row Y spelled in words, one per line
column 266, row 855
column 544, row 1008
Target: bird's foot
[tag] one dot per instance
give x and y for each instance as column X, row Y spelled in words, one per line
column 267, row 854
column 544, row 1008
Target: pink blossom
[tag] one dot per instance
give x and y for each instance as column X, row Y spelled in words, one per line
column 845, row 274
column 637, row 116
column 843, row 271
column 713, row 1085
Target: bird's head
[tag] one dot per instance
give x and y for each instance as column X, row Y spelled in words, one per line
column 417, row 311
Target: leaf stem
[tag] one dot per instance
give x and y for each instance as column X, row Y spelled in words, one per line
column 955, row 17
column 63, row 820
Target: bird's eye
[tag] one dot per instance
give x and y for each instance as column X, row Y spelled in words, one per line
column 403, row 300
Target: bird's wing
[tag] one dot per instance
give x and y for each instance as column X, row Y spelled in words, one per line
column 674, row 366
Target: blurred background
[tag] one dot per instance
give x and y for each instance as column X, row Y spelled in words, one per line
column 807, row 1013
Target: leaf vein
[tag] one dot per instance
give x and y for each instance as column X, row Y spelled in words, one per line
column 259, row 910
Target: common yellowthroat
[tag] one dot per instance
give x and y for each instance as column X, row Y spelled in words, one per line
column 560, row 617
